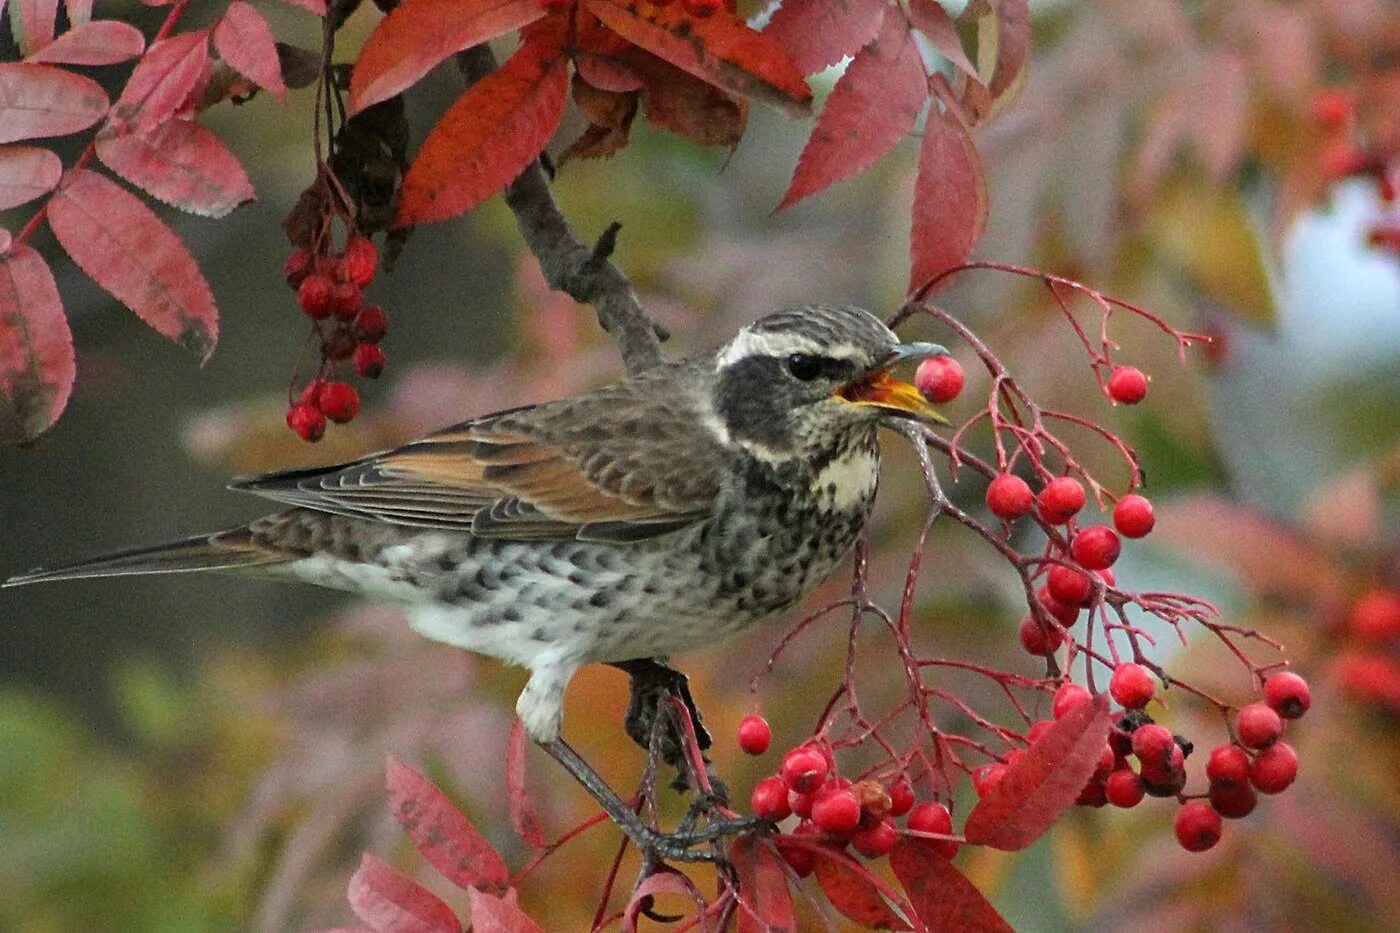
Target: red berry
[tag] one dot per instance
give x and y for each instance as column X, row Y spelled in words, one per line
column 1060, row 500
column 312, row 391
column 1167, row 768
column 1153, row 744
column 1197, row 826
column 1127, row 384
column 770, row 799
column 901, row 797
column 360, row 261
column 1096, row 547
column 1133, row 517
column 754, row 735
column 1274, row 769
column 1369, row 676
column 345, row 301
column 307, row 421
column 1093, row 794
column 986, row 777
column 1064, row 613
column 371, row 324
column 1287, row 694
column 1069, row 586
column 934, row 818
column 939, row 378
column 801, row 804
column 1067, row 698
column 1123, row 788
column 1038, row 730
column 1009, row 496
column 1228, row 766
column 1376, row 615
column 1331, row 107
column 800, row 859
column 1131, row 685
column 875, row 840
column 804, row 769
column 702, row 7
column 1233, row 803
column 296, row 267
column 1258, row 726
column 1039, row 639
column 314, row 295
column 836, row 810
column 339, row 401
column 1107, row 762
column 368, row 360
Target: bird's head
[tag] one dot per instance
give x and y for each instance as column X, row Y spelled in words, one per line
column 804, row 379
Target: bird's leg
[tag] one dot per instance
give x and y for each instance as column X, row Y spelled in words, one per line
column 652, row 680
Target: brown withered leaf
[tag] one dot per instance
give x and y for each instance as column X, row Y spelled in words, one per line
column 685, row 105
column 610, row 115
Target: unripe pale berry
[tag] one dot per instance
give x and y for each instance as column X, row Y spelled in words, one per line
column 1009, row 496
column 360, row 261
column 804, row 769
column 1069, row 586
column 1274, row 768
column 339, row 402
column 1287, row 694
column 875, row 840
column 307, row 421
column 939, row 378
column 1123, row 788
column 836, row 811
column 1197, row 826
column 1228, row 766
column 901, row 797
column 1069, row 697
column 1060, row 500
column 754, row 735
column 1096, row 547
column 770, row 799
column 1233, row 802
column 368, row 360
column 314, row 295
column 1127, row 384
column 1131, row 685
column 934, row 818
column 1133, row 517
column 1258, row 726
column 1038, row 639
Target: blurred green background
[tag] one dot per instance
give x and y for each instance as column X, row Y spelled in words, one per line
column 200, row 753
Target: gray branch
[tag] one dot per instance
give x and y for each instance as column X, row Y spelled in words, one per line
column 584, row 273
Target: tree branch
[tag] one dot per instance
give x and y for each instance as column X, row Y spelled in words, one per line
column 584, row 273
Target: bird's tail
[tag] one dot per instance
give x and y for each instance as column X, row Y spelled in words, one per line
column 224, row 550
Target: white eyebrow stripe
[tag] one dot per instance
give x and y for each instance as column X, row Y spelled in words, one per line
column 747, row 343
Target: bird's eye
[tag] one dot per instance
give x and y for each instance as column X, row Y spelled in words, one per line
column 804, row 367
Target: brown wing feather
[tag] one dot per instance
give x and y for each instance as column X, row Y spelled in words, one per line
column 620, row 463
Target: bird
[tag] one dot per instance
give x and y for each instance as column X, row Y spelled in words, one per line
column 657, row 514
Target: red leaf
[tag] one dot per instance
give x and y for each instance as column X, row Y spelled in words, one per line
column 765, row 903
column 872, row 107
column 491, row 914
column 931, row 19
column 522, row 810
column 942, row 896
column 720, row 49
column 817, row 34
column 36, row 349
column 487, row 136
column 41, row 100
column 124, row 247
column 104, row 42
column 606, row 74
column 161, row 81
column 79, row 11
column 26, row 172
column 181, row 163
column 1013, row 44
column 244, row 40
column 661, row 881
column 1042, row 784
column 33, row 24
column 445, row 837
column 950, row 199
column 417, row 34
column 391, row 902
column 850, row 887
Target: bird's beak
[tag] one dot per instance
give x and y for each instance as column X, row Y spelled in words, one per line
column 879, row 389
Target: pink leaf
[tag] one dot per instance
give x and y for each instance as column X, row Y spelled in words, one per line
column 161, row 81
column 817, row 34
column 522, row 809
column 417, row 34
column 445, row 837
column 491, row 914
column 105, row 42
column 662, row 881
column 942, row 896
column 765, row 903
column 26, row 172
column 871, row 109
column 36, row 349
column 79, row 11
column 244, row 40
column 41, row 100
column 33, row 23
column 950, row 199
column 1042, row 784
column 931, row 19
column 181, row 163
column 1013, row 44
column 391, row 902
column 124, row 247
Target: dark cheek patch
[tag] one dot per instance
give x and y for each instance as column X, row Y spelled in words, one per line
column 754, row 400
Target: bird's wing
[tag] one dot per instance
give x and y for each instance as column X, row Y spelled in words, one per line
column 625, row 462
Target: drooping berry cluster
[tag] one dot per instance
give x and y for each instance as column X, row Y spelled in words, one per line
column 330, row 291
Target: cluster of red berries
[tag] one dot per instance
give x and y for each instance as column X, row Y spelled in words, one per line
column 330, row 291
column 860, row 814
column 1369, row 668
column 1345, row 156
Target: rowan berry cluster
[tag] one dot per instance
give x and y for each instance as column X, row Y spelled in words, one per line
column 835, row 810
column 330, row 291
column 1347, row 153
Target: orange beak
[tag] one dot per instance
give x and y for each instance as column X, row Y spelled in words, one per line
column 881, row 390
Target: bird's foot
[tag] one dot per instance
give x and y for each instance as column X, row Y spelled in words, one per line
column 695, row 843
column 652, row 681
